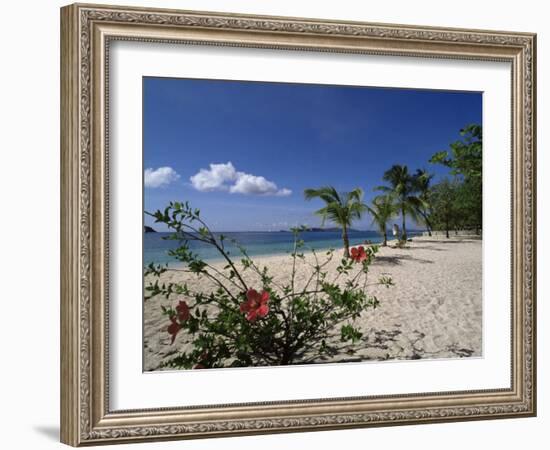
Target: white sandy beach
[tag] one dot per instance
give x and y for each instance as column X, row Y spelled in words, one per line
column 433, row 311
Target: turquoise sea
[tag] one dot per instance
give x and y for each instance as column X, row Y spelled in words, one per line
column 259, row 243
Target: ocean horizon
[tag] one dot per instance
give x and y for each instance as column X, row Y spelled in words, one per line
column 256, row 243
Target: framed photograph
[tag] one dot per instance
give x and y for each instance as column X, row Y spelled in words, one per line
column 275, row 224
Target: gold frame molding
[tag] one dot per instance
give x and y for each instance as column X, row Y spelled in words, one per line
column 86, row 31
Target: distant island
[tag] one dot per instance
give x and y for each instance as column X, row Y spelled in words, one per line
column 328, row 230
column 149, row 229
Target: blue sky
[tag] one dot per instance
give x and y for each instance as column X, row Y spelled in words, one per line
column 243, row 152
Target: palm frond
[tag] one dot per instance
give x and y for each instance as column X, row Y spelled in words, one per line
column 325, row 193
column 383, row 209
column 396, row 174
column 332, row 212
column 356, row 210
column 383, row 189
column 355, row 195
column 340, row 208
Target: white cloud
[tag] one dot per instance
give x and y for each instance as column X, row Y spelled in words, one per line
column 283, row 192
column 214, row 179
column 255, row 185
column 224, row 177
column 160, row 177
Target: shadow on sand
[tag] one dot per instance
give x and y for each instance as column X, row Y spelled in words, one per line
column 395, row 260
column 426, row 247
column 448, row 241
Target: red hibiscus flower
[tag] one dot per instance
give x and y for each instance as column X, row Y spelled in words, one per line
column 182, row 314
column 358, row 254
column 255, row 305
column 173, row 329
column 182, row 311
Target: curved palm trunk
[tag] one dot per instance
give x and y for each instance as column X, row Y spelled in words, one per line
column 427, row 221
column 404, row 235
column 385, row 243
column 345, row 238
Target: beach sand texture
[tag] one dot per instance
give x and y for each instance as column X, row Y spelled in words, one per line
column 433, row 311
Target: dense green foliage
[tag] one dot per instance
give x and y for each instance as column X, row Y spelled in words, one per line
column 464, row 158
column 443, row 200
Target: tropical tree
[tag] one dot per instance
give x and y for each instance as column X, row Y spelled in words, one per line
column 341, row 208
column 465, row 159
column 423, row 180
column 403, row 187
column 382, row 210
column 445, row 198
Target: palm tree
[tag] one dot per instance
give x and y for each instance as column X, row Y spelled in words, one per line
column 382, row 210
column 341, row 208
column 403, row 187
column 423, row 179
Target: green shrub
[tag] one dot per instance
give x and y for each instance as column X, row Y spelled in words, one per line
column 268, row 323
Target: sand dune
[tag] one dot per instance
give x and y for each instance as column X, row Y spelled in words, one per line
column 433, row 311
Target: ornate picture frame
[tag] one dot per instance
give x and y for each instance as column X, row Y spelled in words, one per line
column 87, row 32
